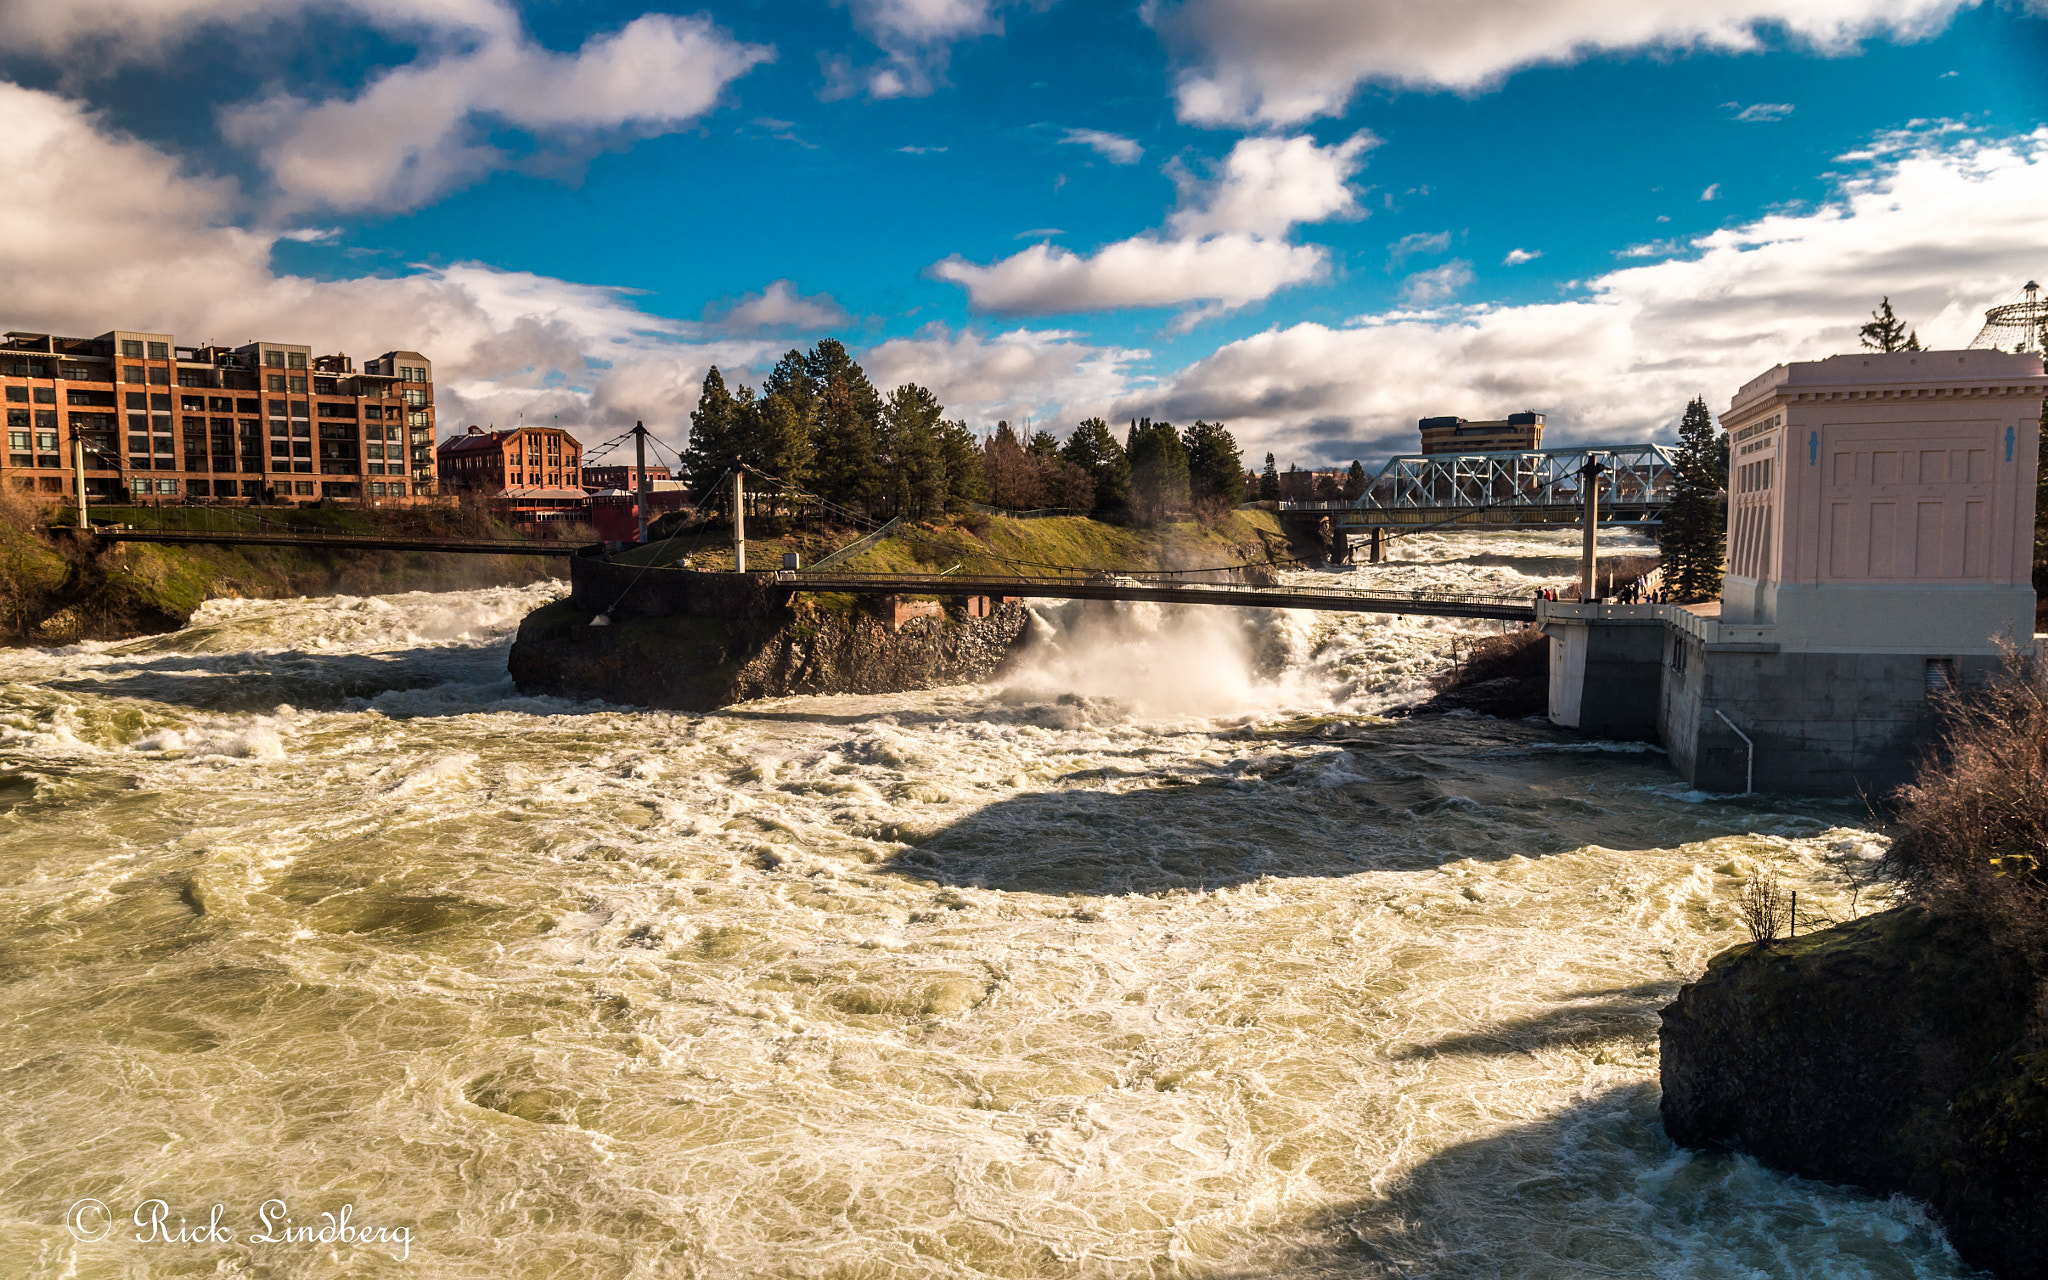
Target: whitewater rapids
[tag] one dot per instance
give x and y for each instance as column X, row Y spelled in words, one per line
column 1164, row 955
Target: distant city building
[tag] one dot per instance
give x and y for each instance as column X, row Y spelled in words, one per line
column 1455, row 435
column 621, row 477
column 264, row 419
column 489, row 462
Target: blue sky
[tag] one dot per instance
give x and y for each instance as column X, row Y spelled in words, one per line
column 1313, row 219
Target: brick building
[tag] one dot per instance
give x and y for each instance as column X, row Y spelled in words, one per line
column 490, row 462
column 622, row 477
column 262, row 420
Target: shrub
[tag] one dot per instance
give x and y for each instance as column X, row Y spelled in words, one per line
column 1972, row 830
column 1764, row 907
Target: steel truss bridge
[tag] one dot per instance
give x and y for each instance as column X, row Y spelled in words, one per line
column 1538, row 488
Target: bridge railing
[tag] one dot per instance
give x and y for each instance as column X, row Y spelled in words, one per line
column 1636, row 475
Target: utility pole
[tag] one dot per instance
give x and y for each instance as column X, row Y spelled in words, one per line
column 1589, row 488
column 640, row 479
column 739, row 520
column 78, row 450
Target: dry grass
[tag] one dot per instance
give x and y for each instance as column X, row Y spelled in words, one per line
column 1972, row 835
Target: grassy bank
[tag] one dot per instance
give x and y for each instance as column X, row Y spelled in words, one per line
column 997, row 545
column 57, row 587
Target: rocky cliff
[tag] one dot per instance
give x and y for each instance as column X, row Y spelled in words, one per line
column 1892, row 1053
column 690, row 663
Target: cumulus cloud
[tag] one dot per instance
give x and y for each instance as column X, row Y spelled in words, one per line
column 421, row 129
column 779, row 307
column 1224, row 247
column 143, row 30
column 1516, row 257
column 117, row 234
column 1438, row 284
column 1264, row 62
column 1020, row 374
column 1945, row 227
column 1113, row 147
column 1763, row 112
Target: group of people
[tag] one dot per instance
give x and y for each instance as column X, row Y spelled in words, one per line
column 1634, row 591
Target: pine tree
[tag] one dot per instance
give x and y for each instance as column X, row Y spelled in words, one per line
column 965, row 483
column 1043, row 446
column 1695, row 521
column 1355, row 481
column 1159, row 471
column 716, row 433
column 1886, row 332
column 916, row 461
column 781, row 436
column 846, row 428
column 1093, row 448
column 1269, row 481
column 1215, row 466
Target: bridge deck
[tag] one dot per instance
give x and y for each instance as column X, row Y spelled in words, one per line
column 1327, row 599
column 349, row 541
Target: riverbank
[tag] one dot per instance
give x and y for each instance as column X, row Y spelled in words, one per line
column 1891, row 1053
column 59, row 588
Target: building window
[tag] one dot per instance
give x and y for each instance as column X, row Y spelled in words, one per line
column 46, row 395
column 411, row 373
column 132, row 373
column 46, row 418
column 159, row 350
column 159, row 376
column 17, row 440
column 416, row 397
column 273, row 359
column 275, row 382
column 17, row 417
column 296, row 359
column 137, row 400
column 1942, row 676
column 299, row 385
column 159, row 403
column 323, row 386
column 131, row 348
column 17, row 395
column 46, row 441
column 193, row 378
column 298, row 408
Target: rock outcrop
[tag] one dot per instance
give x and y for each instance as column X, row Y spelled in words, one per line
column 1892, row 1053
column 685, row 662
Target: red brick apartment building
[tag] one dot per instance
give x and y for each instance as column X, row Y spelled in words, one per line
column 490, row 462
column 262, row 420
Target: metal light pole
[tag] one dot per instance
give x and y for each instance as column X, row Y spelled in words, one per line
column 1589, row 489
column 78, row 451
column 640, row 479
column 739, row 521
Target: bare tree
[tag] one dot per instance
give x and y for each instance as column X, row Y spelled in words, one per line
column 1765, row 909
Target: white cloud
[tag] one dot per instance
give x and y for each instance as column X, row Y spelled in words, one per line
column 1438, row 284
column 1015, row 375
column 1225, row 246
column 116, row 234
column 145, row 30
column 1945, row 229
column 779, row 307
column 920, row 151
column 1233, row 269
column 1248, row 62
column 1113, row 147
column 1267, row 185
column 1764, row 112
column 915, row 37
column 1516, row 257
column 1713, row 192
column 419, row 130
column 1420, row 242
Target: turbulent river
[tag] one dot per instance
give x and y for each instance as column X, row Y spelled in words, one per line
column 1164, row 955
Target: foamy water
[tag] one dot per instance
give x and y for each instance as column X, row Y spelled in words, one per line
column 1163, row 955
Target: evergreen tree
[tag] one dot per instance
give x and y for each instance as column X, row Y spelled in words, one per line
column 717, row 433
column 1695, row 521
column 1327, row 487
column 1886, row 332
column 781, row 436
column 917, row 463
column 1269, row 481
column 1043, row 446
column 961, row 456
column 1159, row 471
column 1094, row 449
column 1215, row 466
column 846, row 428
column 1354, row 481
